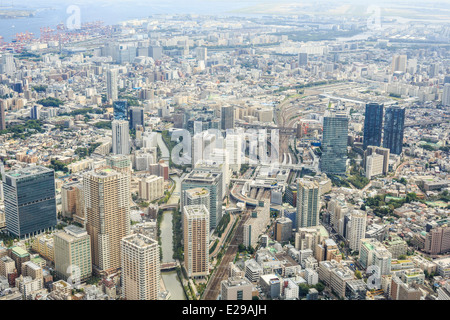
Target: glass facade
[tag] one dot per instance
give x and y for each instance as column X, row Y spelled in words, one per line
column 136, row 117
column 120, row 110
column 30, row 205
column 334, row 145
column 394, row 125
column 373, row 125
column 213, row 183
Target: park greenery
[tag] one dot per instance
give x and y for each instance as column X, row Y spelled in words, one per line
column 103, row 125
column 50, row 102
column 58, row 165
column 22, row 131
column 223, row 223
column 385, row 207
column 83, row 152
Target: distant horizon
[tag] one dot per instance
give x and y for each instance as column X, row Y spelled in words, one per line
column 49, row 13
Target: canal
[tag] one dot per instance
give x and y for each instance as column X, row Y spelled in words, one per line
column 170, row 279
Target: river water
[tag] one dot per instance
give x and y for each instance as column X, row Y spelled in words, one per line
column 170, row 279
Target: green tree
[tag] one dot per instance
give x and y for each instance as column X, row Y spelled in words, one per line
column 303, row 289
column 319, row 286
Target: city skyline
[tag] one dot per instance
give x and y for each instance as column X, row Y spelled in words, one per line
column 225, row 151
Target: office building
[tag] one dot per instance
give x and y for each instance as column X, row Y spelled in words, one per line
column 2, row 115
column 202, row 53
column 227, row 117
column 302, row 59
column 307, row 203
column 112, row 76
column 212, row 181
column 256, row 224
column 30, row 201
column 253, row 271
column 373, row 125
column 120, row 109
column 73, row 254
column 270, row 285
column 334, row 144
column 196, row 240
column 446, row 94
column 155, row 52
column 356, row 290
column 140, row 268
column 236, row 288
column 283, row 229
column 120, row 137
column 7, row 65
column 196, row 196
column 394, row 125
column 374, row 166
column 339, row 278
column 107, row 208
column 399, row 63
column 136, row 117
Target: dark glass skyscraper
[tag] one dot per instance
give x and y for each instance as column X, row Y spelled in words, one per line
column 227, row 117
column 30, row 203
column 136, row 117
column 394, row 125
column 373, row 125
column 120, row 110
column 334, row 144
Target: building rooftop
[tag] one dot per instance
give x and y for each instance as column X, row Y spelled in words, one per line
column 139, row 240
column 20, row 252
column 27, row 171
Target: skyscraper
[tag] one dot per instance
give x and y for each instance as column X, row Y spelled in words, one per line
column 446, row 95
column 120, row 137
column 155, row 52
column 202, row 53
column 7, row 65
column 399, row 63
column 394, row 125
column 73, row 249
column 2, row 115
column 30, row 202
column 227, row 117
column 196, row 196
column 357, row 229
column 307, row 203
column 35, row 112
column 120, row 108
column 302, row 59
column 373, row 125
column 334, row 145
column 140, row 268
column 212, row 181
column 196, row 240
column 112, row 76
column 136, row 117
column 107, row 209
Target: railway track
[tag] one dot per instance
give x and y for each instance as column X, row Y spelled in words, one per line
column 213, row 288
